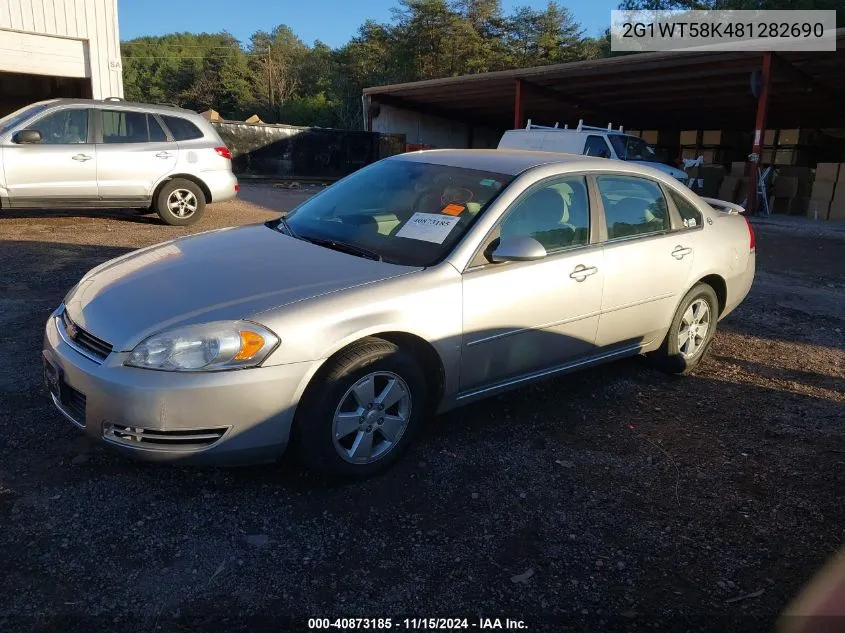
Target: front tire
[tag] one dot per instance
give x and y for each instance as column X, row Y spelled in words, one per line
column 691, row 332
column 363, row 410
column 180, row 202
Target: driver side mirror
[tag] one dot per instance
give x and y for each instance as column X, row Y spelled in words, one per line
column 27, row 137
column 518, row 248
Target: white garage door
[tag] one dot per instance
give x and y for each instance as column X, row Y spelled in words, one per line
column 43, row 55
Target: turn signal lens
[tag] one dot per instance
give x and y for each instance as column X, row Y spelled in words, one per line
column 251, row 343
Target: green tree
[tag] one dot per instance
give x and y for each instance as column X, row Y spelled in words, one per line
column 317, row 85
column 804, row 5
column 536, row 38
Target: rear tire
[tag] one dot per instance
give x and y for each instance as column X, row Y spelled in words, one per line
column 343, row 407
column 180, row 202
column 690, row 334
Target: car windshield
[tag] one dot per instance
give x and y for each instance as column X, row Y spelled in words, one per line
column 18, row 116
column 398, row 211
column 632, row 148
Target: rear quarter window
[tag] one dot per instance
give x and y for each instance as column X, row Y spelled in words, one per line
column 181, row 129
column 689, row 213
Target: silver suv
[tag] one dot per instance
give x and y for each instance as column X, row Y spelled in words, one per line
column 113, row 153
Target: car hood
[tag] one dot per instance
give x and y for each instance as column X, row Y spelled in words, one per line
column 219, row 275
column 679, row 174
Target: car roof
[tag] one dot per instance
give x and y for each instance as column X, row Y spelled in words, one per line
column 502, row 161
column 120, row 103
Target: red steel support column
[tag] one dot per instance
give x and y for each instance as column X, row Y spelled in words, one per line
column 517, row 106
column 759, row 133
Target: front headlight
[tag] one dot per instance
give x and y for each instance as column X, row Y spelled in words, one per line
column 206, row 347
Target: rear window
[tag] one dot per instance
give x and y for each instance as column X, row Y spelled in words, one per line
column 181, row 129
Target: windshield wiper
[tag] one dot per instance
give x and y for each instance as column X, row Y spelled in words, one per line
column 283, row 224
column 345, row 248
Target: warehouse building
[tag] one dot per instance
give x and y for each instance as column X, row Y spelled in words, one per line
column 710, row 103
column 58, row 48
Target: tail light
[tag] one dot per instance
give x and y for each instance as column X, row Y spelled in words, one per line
column 237, row 188
column 224, row 152
column 752, row 242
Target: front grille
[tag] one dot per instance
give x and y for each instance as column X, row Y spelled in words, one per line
column 153, row 438
column 95, row 346
column 73, row 402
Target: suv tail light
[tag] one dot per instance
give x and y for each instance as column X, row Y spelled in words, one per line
column 752, row 242
column 224, row 152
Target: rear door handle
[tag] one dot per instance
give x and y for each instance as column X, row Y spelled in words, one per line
column 680, row 252
column 581, row 272
column 163, row 155
column 82, row 157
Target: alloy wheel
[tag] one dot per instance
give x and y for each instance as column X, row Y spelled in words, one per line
column 372, row 417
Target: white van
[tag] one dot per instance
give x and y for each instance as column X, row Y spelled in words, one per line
column 588, row 140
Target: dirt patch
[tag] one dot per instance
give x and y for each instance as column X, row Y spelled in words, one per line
column 636, row 501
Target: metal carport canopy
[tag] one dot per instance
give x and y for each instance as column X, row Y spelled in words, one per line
column 666, row 90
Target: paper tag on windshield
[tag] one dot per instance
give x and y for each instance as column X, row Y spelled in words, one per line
column 428, row 227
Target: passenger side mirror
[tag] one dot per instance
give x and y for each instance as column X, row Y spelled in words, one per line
column 518, row 248
column 27, row 137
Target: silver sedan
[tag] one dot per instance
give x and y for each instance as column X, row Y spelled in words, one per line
column 417, row 284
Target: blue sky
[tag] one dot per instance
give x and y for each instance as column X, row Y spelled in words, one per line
column 332, row 21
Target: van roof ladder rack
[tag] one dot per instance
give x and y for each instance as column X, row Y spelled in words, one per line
column 581, row 126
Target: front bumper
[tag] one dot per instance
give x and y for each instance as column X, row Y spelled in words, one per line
column 229, row 417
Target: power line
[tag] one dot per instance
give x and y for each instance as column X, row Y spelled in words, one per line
column 260, row 55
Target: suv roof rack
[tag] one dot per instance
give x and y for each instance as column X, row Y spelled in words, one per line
column 581, row 126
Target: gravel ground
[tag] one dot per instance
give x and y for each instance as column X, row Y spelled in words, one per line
column 613, row 498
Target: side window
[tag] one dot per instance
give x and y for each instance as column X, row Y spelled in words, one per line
column 596, row 146
column 125, row 126
column 65, row 127
column 632, row 206
column 181, row 129
column 557, row 214
column 157, row 134
column 689, row 214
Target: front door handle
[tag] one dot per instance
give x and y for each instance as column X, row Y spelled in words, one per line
column 581, row 272
column 82, row 157
column 163, row 155
column 680, row 252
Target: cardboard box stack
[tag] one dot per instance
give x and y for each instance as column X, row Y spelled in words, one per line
column 795, row 147
column 801, row 192
column 784, row 196
column 707, row 180
column 827, row 201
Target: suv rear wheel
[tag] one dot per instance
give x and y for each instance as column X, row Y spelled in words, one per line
column 180, row 202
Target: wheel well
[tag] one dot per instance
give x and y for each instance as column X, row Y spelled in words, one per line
column 427, row 357
column 419, row 348
column 719, row 287
column 198, row 182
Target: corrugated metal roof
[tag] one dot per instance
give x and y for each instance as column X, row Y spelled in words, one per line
column 692, row 89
